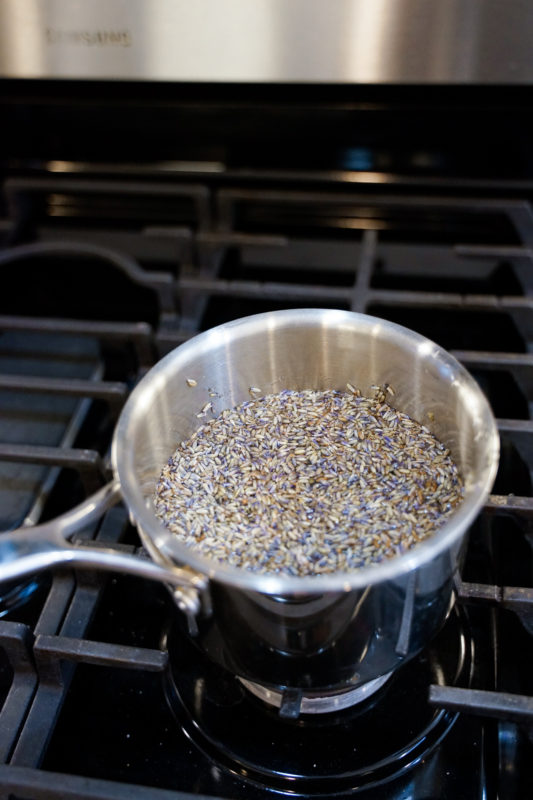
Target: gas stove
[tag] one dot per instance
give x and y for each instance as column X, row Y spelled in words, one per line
column 111, row 259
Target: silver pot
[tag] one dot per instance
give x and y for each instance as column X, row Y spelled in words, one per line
column 324, row 632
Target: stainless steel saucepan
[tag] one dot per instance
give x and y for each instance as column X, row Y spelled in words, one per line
column 317, row 632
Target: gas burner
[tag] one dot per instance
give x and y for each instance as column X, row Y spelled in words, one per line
column 376, row 740
column 292, row 703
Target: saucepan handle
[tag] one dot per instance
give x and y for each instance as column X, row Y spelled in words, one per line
column 33, row 549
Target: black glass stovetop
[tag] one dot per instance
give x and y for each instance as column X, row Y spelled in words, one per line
column 119, row 703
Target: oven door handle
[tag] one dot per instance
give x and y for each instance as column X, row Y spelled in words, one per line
column 33, row 549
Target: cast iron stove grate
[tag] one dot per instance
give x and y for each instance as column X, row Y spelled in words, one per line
column 84, row 712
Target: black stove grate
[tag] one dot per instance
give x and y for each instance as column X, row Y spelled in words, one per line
column 220, row 251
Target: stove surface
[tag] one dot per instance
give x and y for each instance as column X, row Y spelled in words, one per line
column 110, row 264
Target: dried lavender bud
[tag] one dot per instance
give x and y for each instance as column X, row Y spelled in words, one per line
column 308, row 482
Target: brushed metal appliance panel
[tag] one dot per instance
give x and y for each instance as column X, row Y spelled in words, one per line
column 283, row 41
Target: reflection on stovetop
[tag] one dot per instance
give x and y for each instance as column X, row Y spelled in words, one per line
column 373, row 742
